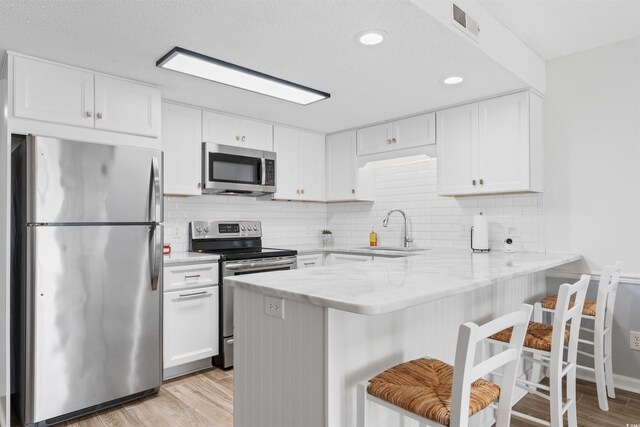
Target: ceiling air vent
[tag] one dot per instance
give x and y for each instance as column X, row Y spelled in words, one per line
column 464, row 22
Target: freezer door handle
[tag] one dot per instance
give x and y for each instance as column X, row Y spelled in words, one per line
column 156, row 256
column 155, row 202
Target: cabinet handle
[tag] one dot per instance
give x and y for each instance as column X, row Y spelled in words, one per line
column 473, row 182
column 88, row 114
column 302, row 191
column 309, row 263
column 237, row 137
column 98, row 115
column 388, row 141
column 353, row 191
column 244, row 138
column 199, row 185
column 192, row 276
column 193, row 294
column 393, row 140
column 298, row 191
column 481, row 181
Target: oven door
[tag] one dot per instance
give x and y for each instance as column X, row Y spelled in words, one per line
column 236, row 268
column 235, row 170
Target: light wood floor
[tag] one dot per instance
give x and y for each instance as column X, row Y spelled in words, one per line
column 206, row 399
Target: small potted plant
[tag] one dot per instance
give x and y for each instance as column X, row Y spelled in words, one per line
column 326, row 237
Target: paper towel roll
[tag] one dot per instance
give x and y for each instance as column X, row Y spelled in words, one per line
column 480, row 233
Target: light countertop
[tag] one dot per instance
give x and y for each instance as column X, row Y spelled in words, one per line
column 361, row 251
column 188, row 257
column 391, row 284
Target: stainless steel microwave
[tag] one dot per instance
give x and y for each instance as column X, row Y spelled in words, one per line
column 238, row 171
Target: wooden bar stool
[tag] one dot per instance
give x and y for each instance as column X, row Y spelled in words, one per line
column 601, row 313
column 437, row 394
column 546, row 344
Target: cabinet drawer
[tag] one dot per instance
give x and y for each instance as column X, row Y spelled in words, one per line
column 311, row 260
column 190, row 275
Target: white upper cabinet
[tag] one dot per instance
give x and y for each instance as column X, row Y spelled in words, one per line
column 181, row 143
column 345, row 181
column 300, row 164
column 65, row 95
column 127, row 107
column 492, row 146
column 457, row 149
column 402, row 134
column 286, row 143
column 231, row 130
column 49, row 92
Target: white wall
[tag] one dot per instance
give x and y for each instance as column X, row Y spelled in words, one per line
column 409, row 184
column 592, row 148
column 592, row 155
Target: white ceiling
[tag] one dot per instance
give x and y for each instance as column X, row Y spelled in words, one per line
column 309, row 42
column 555, row 28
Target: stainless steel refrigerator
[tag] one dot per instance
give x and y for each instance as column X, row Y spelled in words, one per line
column 86, row 276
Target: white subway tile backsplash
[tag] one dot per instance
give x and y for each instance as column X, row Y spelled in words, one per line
column 408, row 184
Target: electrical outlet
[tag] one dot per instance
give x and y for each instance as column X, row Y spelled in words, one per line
column 634, row 340
column 274, row 307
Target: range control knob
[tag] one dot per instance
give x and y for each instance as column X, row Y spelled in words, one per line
column 199, row 229
column 206, row 229
column 255, row 228
column 242, row 228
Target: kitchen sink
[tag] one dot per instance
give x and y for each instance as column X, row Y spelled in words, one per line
column 392, row 248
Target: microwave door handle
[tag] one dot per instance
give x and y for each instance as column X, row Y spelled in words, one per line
column 263, row 168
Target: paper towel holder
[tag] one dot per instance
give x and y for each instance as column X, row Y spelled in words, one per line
column 474, row 249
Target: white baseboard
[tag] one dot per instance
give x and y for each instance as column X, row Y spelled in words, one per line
column 187, row 368
column 619, row 381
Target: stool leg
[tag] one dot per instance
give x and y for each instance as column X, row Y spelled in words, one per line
column 536, row 370
column 555, row 397
column 361, row 390
column 608, row 367
column 571, row 394
column 598, row 365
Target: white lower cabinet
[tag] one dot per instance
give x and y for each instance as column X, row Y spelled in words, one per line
column 190, row 325
column 310, row 260
column 336, row 258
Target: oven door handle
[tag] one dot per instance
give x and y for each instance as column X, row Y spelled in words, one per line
column 254, row 265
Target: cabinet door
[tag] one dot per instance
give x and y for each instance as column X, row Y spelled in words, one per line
column 127, row 107
column 52, row 93
column 503, row 144
column 220, row 128
column 333, row 259
column 311, row 260
column 414, row 131
column 190, row 326
column 257, row 135
column 286, row 143
column 375, row 139
column 341, row 166
column 181, row 143
column 458, row 150
column 312, row 162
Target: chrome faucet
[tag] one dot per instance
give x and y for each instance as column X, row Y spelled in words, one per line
column 385, row 223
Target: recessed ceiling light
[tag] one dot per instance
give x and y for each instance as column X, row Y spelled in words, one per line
column 370, row 37
column 453, row 80
column 206, row 67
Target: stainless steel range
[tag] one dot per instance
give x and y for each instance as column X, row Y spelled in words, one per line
column 239, row 244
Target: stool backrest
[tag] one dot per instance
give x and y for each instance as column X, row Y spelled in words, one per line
column 466, row 371
column 606, row 300
column 563, row 315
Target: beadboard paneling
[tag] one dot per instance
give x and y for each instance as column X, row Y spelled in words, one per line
column 279, row 369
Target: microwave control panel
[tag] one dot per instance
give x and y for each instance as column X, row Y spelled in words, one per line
column 270, row 172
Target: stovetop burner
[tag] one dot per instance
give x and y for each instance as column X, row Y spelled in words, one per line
column 232, row 240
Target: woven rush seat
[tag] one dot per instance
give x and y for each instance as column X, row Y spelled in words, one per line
column 538, row 336
column 423, row 386
column 589, row 308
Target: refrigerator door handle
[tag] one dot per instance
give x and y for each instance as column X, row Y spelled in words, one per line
column 156, row 256
column 155, row 202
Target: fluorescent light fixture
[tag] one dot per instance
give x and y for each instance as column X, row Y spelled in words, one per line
column 196, row 64
column 370, row 37
column 453, row 80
